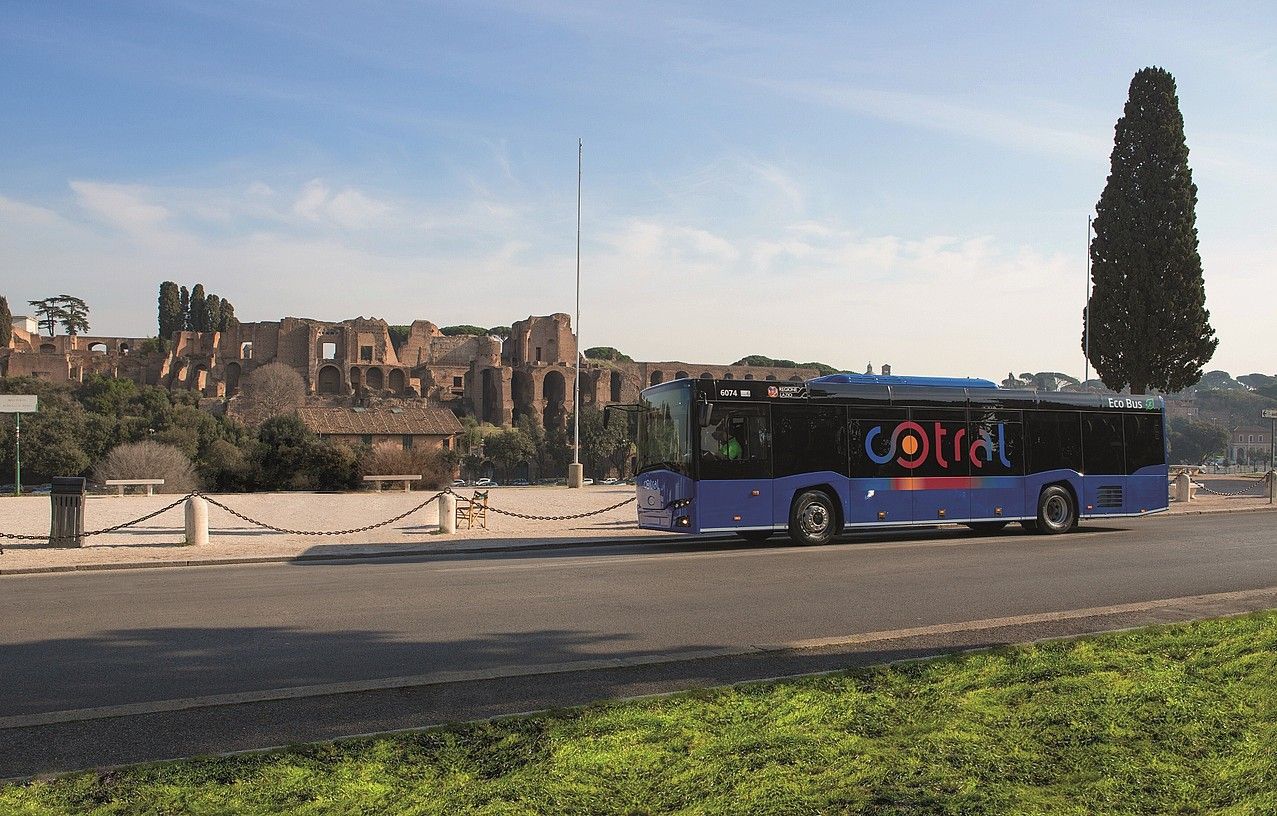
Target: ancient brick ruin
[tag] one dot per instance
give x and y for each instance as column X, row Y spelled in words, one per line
column 356, row 361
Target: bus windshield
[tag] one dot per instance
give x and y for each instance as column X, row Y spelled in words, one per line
column 664, row 430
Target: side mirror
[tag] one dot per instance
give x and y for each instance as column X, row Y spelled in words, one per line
column 705, row 411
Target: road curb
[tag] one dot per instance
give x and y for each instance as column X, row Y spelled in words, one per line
column 285, row 559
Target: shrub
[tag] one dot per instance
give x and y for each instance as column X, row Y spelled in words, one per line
column 149, row 460
column 389, row 459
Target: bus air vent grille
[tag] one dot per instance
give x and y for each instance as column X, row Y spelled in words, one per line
column 1109, row 496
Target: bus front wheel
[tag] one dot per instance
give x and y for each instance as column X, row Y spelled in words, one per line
column 1057, row 512
column 812, row 519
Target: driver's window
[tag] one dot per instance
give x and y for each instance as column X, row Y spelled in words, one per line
column 737, row 443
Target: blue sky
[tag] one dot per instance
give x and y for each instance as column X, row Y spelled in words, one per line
column 903, row 183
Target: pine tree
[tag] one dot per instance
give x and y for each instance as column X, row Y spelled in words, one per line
column 1149, row 325
column 184, row 300
column 6, row 322
column 171, row 318
column 198, row 319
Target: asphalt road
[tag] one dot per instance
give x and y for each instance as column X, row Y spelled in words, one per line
column 288, row 643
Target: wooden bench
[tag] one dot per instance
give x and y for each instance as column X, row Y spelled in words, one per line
column 407, row 480
column 120, row 484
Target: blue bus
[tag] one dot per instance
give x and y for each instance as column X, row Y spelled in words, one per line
column 845, row 452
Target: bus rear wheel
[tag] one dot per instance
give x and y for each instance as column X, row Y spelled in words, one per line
column 812, row 519
column 1057, row 512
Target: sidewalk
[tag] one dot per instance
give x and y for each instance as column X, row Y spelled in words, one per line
column 158, row 542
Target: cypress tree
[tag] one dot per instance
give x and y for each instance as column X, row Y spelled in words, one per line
column 184, row 299
column 6, row 322
column 171, row 318
column 213, row 306
column 199, row 309
column 1148, row 320
column 228, row 316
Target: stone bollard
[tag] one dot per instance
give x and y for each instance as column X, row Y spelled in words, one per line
column 576, row 474
column 447, row 513
column 196, row 521
column 1183, row 488
column 1272, row 484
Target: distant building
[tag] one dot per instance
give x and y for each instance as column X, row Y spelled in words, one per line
column 409, row 427
column 1250, row 444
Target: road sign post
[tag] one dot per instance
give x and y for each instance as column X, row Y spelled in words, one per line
column 18, row 404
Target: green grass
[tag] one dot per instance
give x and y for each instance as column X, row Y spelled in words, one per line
column 1179, row 719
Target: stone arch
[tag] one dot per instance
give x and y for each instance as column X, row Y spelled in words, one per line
column 246, row 350
column 795, row 378
column 770, row 378
column 329, row 380
column 396, row 381
column 680, row 375
column 522, row 394
column 656, row 378
column 727, row 375
column 375, row 378
column 97, row 348
column 124, row 348
column 705, row 375
column 48, row 348
column 615, row 387
column 232, row 379
column 749, row 376
column 554, row 391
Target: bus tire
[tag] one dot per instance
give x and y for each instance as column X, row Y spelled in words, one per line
column 755, row 536
column 986, row 526
column 1057, row 512
column 812, row 518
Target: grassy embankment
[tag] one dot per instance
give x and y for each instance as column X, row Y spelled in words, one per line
column 1180, row 719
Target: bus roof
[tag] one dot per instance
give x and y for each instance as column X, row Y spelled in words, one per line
column 892, row 379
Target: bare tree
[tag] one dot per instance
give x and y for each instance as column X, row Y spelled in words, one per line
column 149, row 460
column 270, row 391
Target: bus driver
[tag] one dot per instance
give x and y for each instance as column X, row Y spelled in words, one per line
column 728, row 445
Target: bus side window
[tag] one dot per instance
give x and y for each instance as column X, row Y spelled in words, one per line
column 1144, row 443
column 748, row 427
column 1102, row 446
column 1053, row 440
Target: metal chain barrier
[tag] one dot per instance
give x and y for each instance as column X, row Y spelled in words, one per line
column 352, row 531
column 104, row 530
column 265, row 526
column 1243, row 493
column 568, row 517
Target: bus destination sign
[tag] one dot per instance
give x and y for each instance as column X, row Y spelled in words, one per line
column 754, row 390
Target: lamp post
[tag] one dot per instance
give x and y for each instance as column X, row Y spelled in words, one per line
column 576, row 473
column 1086, row 352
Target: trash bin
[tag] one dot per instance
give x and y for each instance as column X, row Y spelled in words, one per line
column 66, row 528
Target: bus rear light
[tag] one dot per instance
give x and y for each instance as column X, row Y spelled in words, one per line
column 683, row 521
column 882, row 515
column 997, row 511
column 735, row 518
column 755, row 493
column 940, row 513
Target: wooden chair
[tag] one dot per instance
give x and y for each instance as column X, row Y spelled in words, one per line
column 473, row 510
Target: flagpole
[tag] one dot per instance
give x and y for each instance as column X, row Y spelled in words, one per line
column 575, row 473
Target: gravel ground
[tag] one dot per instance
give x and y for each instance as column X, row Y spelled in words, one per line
column 161, row 539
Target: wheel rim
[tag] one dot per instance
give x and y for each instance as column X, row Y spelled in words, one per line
column 814, row 519
column 1057, row 511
